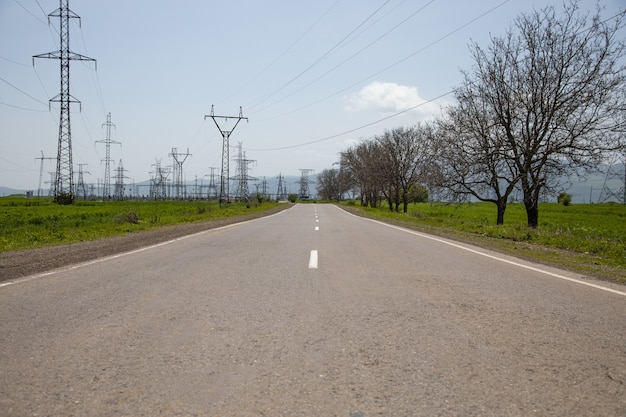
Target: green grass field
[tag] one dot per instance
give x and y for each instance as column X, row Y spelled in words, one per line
column 587, row 238
column 32, row 223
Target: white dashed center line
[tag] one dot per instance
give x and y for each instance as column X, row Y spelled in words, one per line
column 313, row 260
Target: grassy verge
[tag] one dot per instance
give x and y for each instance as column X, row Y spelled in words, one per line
column 33, row 223
column 589, row 239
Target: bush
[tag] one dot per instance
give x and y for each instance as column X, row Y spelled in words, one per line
column 292, row 198
column 129, row 216
column 564, row 198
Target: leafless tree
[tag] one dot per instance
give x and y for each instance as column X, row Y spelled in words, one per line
column 404, row 162
column 549, row 97
column 362, row 164
column 332, row 184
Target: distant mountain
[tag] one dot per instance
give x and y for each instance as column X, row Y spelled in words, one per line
column 5, row 191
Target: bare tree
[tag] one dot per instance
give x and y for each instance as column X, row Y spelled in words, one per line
column 551, row 93
column 404, row 162
column 473, row 155
column 362, row 164
column 332, row 184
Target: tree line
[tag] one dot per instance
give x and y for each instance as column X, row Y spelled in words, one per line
column 544, row 102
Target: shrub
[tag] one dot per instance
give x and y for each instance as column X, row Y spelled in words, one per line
column 564, row 198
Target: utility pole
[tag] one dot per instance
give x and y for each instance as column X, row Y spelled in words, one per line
column 41, row 171
column 225, row 176
column 106, row 193
column 64, row 181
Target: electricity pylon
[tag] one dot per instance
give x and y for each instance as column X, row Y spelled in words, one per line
column 106, row 193
column 41, row 171
column 281, row 193
column 118, row 194
column 158, row 183
column 212, row 190
column 64, row 181
column 81, row 189
column 304, row 183
column 179, row 159
column 617, row 176
column 242, row 177
column 225, row 175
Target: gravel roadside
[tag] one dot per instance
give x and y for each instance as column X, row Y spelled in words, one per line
column 16, row 264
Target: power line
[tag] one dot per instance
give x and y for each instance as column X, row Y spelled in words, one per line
column 14, row 62
column 271, row 64
column 362, row 80
column 356, row 128
column 29, row 12
column 317, row 61
column 350, row 57
column 23, row 92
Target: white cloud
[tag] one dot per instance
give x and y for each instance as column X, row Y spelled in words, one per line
column 388, row 97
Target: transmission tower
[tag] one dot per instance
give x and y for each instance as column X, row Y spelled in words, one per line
column 304, row 183
column 81, row 189
column 242, row 177
column 158, row 190
column 51, row 182
column 41, row 171
column 281, row 193
column 106, row 193
column 614, row 175
column 179, row 159
column 118, row 194
column 212, row 189
column 225, row 175
column 64, row 181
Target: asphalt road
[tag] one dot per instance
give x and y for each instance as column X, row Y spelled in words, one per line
column 311, row 312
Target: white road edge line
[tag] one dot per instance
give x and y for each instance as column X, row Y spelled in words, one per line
column 313, row 260
column 317, row 228
column 487, row 255
column 120, row 255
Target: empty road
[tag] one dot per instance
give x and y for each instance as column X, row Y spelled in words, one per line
column 311, row 312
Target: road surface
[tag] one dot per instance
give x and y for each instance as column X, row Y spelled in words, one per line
column 311, row 312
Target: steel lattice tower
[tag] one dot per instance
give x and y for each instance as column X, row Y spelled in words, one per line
column 242, row 178
column 281, row 193
column 618, row 176
column 81, row 189
column 212, row 186
column 158, row 184
column 225, row 175
column 118, row 194
column 179, row 159
column 42, row 158
column 106, row 193
column 64, row 181
column 304, row 183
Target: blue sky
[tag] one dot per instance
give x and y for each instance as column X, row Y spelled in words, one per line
column 313, row 77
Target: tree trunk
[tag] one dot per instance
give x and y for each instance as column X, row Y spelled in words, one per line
column 532, row 213
column 501, row 209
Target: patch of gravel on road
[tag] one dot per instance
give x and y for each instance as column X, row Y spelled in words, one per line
column 16, row 264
